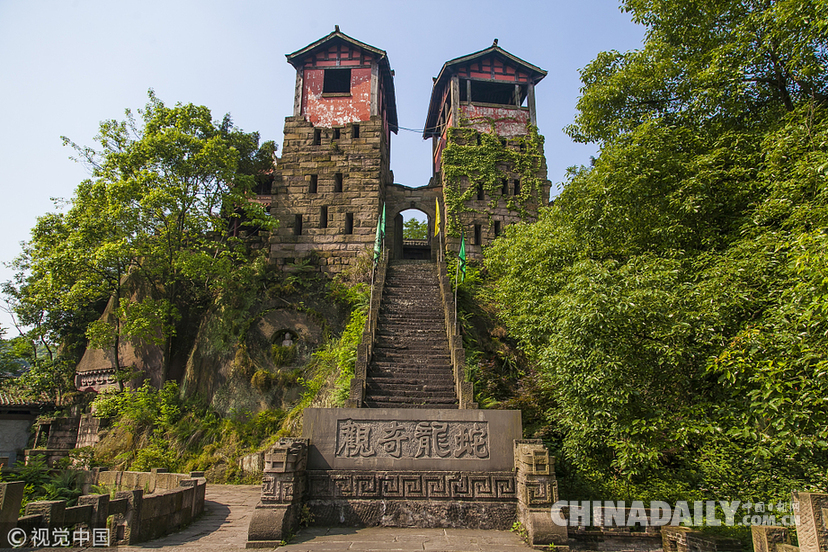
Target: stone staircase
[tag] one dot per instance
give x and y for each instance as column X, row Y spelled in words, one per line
column 411, row 363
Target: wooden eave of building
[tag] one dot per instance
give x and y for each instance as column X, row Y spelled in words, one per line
column 536, row 74
column 297, row 60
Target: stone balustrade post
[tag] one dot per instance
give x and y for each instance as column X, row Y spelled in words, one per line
column 283, row 487
column 537, row 491
column 11, row 496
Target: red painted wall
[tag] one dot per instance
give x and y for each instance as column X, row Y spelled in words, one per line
column 337, row 110
column 509, row 121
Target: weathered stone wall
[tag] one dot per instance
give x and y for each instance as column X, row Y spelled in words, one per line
column 493, row 219
column 14, row 436
column 136, row 516
column 336, row 185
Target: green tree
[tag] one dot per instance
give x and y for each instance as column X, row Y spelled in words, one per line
column 673, row 297
column 414, row 229
column 150, row 223
column 707, row 61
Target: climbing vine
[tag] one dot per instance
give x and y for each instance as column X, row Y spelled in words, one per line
column 483, row 159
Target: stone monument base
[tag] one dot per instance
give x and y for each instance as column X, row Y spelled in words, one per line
column 423, row 468
column 472, row 500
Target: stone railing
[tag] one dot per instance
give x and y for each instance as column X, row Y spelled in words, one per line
column 366, row 345
column 464, row 389
column 811, row 517
column 154, row 505
column 686, row 539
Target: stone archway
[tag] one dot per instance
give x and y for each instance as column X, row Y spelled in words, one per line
column 400, row 198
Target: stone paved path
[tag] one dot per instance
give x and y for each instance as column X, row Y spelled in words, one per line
column 227, row 514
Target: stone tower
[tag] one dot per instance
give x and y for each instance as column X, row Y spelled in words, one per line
column 487, row 155
column 330, row 182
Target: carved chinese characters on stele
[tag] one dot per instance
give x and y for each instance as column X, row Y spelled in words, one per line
column 412, row 439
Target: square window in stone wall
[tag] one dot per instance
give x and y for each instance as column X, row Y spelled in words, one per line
column 349, row 223
column 338, row 182
column 477, row 234
column 297, row 225
column 314, row 183
column 323, row 217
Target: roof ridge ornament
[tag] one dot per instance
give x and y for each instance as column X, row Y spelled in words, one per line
column 494, row 42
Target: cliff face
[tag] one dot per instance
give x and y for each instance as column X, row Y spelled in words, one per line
column 244, row 358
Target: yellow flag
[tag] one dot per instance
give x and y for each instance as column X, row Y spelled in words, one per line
column 437, row 222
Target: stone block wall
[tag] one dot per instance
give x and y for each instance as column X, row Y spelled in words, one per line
column 136, row 516
column 336, row 185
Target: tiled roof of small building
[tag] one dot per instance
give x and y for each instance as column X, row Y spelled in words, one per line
column 11, row 398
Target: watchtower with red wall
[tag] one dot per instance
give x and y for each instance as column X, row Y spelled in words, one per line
column 490, row 91
column 330, row 180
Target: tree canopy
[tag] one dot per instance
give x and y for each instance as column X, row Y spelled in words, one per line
column 674, row 297
column 151, row 221
column 414, row 229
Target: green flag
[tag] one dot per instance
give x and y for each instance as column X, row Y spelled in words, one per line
column 378, row 241
column 462, row 256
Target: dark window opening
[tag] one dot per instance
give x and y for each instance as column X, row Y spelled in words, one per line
column 464, row 96
column 297, row 225
column 323, row 217
column 477, row 234
column 501, row 93
column 478, row 138
column 504, row 186
column 337, row 81
column 338, row 182
column 349, row 223
column 517, row 186
column 336, row 134
column 317, row 137
column 480, row 192
column 264, row 184
column 314, row 183
column 356, row 131
column 497, row 228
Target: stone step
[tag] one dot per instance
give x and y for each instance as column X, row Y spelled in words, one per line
column 384, row 403
column 412, row 341
column 400, row 371
column 411, row 363
column 402, row 358
column 408, row 393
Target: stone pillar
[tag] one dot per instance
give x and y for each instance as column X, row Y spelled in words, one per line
column 11, row 495
column 51, row 512
column 766, row 537
column 283, row 486
column 812, row 521
column 100, row 509
column 126, row 525
column 537, row 491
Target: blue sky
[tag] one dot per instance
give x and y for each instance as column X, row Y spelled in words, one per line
column 67, row 65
